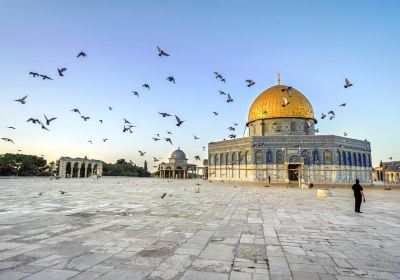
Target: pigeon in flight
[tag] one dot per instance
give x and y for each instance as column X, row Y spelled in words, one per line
column 90, row 141
column 347, row 83
column 169, row 132
column 215, row 113
column 126, row 121
column 343, row 104
column 332, row 113
column 164, row 114
column 109, row 108
column 7, row 140
column 231, row 128
column 10, row 127
column 81, row 54
column 163, row 195
column 161, row 52
column 45, row 128
column 62, row 192
column 105, row 139
column 223, row 80
column 232, row 136
column 141, row 153
column 155, row 159
column 22, row 100
column 45, row 77
column 146, row 86
column 156, row 139
column 35, row 121
column 250, row 83
column 195, row 137
column 34, row 74
column 345, row 134
column 136, row 93
column 76, row 111
column 101, row 121
column 323, row 116
column 85, row 118
column 197, row 157
column 235, row 124
column 285, row 102
column 171, row 79
column 61, row 71
column 49, row 120
column 229, row 98
column 331, row 117
column 178, row 120
column 204, row 148
column 168, row 140
column 222, row 93
column 218, row 75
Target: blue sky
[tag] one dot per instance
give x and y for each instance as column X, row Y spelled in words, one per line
column 313, row 44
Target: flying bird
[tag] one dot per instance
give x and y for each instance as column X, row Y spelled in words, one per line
column 90, row 141
column 45, row 128
column 136, row 93
column 146, row 86
column 34, row 74
column 285, row 102
column 163, row 195
column 76, row 111
column 204, row 148
column 109, row 108
column 171, row 79
column 126, row 121
column 331, row 117
column 323, row 116
column 62, row 192
column 105, row 139
column 218, row 75
column 85, row 118
column 232, row 136
column 195, row 137
column 155, row 159
column 35, row 121
column 332, row 113
column 169, row 132
column 168, row 140
column 250, row 83
column 22, row 100
column 156, row 139
column 101, row 121
column 229, row 98
column 222, row 93
column 141, row 153
column 7, row 140
column 10, row 127
column 81, row 54
column 164, row 114
column 215, row 113
column 235, row 124
column 197, row 157
column 49, row 120
column 223, row 80
column 178, row 120
column 45, row 77
column 161, row 52
column 61, row 71
column 347, row 83
column 343, row 104
column 231, row 128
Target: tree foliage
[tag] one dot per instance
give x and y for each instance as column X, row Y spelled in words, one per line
column 23, row 165
column 123, row 168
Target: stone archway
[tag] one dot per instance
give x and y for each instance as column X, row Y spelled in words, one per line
column 82, row 171
column 75, row 170
column 68, row 169
column 95, row 169
column 89, row 170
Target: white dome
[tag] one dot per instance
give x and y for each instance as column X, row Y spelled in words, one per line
column 178, row 154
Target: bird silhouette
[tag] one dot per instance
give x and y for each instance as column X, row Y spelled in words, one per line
column 235, row 124
column 156, row 139
column 169, row 132
column 164, row 114
column 7, row 140
column 163, row 195
column 347, row 83
column 161, row 52
column 171, row 79
column 345, row 134
column 222, row 92
column 45, row 128
column 343, row 104
column 168, row 140
column 178, row 121
column 34, row 74
column 81, row 54
column 45, row 77
column 76, row 111
column 195, row 137
column 90, row 141
column 250, row 83
column 22, row 100
column 158, row 134
column 101, row 121
column 35, row 121
column 110, row 108
column 331, row 117
column 141, row 153
column 49, row 120
column 105, row 139
column 85, row 118
column 231, row 128
column 218, row 75
column 10, row 127
column 223, row 80
column 197, row 157
column 285, row 102
column 332, row 113
column 136, row 93
column 215, row 113
column 323, row 116
column 61, row 71
column 126, row 121
column 155, row 159
column 232, row 136
column 147, row 86
column 229, row 98
column 62, row 192
column 204, row 148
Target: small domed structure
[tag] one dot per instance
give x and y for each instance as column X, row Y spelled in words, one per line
column 177, row 166
column 178, row 154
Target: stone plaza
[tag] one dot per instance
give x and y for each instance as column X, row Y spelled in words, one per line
column 120, row 228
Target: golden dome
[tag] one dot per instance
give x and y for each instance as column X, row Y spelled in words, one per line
column 268, row 105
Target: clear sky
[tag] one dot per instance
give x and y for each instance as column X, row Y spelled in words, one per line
column 313, row 44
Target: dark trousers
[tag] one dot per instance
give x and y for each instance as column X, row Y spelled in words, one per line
column 358, row 203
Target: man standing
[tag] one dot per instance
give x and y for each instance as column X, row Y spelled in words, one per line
column 358, row 195
column 269, row 179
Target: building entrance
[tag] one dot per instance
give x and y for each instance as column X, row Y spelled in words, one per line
column 293, row 172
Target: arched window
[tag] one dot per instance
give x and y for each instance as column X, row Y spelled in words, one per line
column 339, row 158
column 268, row 156
column 359, row 160
column 327, row 157
column 354, row 159
column 306, row 157
column 259, row 157
column 279, row 157
column 221, row 159
column 233, row 158
column 364, row 160
column 344, row 157
column 349, row 158
column 369, row 160
column 315, row 157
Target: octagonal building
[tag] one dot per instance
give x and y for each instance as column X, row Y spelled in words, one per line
column 282, row 146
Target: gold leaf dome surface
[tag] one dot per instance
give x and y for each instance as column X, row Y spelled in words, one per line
column 268, row 105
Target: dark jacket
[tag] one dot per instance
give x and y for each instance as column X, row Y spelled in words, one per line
column 357, row 190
